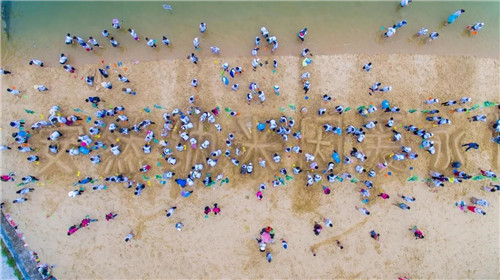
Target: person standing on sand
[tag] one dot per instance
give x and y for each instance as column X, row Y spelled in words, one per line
column 375, row 235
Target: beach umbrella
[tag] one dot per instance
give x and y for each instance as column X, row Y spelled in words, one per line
column 261, row 127
column 266, row 237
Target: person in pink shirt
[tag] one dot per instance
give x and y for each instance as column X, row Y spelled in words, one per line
column 259, row 195
column 383, row 195
column 8, row 177
column 216, row 209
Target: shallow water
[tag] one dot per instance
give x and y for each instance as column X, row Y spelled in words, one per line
column 37, row 29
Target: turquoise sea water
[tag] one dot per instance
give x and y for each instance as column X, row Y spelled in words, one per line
column 37, row 29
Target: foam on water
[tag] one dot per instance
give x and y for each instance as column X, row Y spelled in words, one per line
column 37, row 29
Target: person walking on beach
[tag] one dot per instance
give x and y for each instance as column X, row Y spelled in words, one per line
column 170, row 211
column 36, row 62
column 454, row 16
column 133, row 34
column 269, row 257
column 63, row 58
column 390, row 31
column 196, row 43
column 375, row 235
column 404, row 3
column 25, row 190
column 476, row 209
column 418, row 233
column 363, row 210
column 151, row 42
column 110, row 216
column 302, row 34
column 113, row 42
column 317, row 228
column 72, row 229
column 306, row 86
column 402, row 206
column 433, row 36
column 4, row 72
column 193, row 58
column 179, row 226
column 75, row 193
column 471, row 146
column 476, row 27
column 422, row 32
column 165, row 41
column 129, row 237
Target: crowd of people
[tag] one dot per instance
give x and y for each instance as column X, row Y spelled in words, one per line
column 181, row 122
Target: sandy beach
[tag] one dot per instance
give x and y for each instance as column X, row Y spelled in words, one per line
column 456, row 245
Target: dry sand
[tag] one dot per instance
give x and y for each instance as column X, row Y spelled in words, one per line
column 456, row 245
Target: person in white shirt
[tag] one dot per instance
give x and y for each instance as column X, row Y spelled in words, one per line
column 115, row 149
